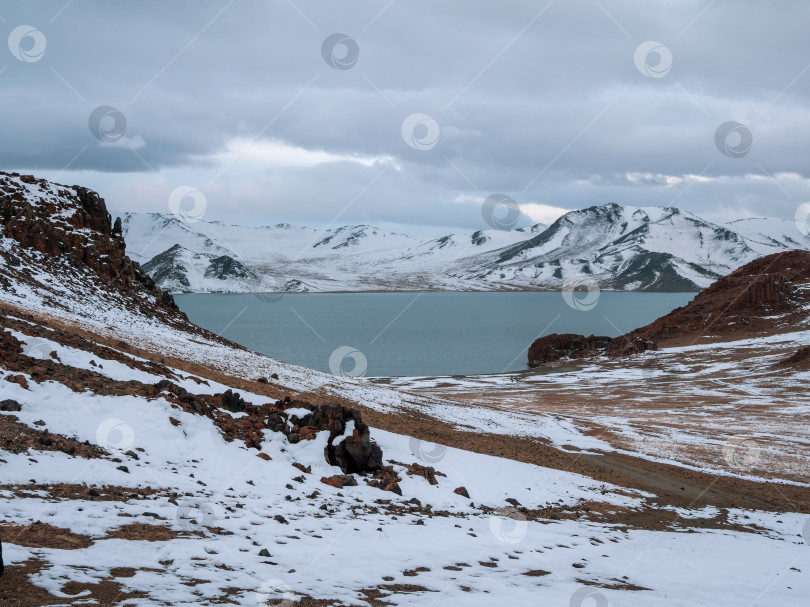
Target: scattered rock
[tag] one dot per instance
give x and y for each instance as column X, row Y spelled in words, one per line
column 264, row 552
column 231, row 401
column 18, row 379
column 10, row 405
column 386, row 479
column 462, row 491
column 426, row 472
column 340, row 480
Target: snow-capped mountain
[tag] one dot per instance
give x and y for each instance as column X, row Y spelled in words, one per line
column 616, row 247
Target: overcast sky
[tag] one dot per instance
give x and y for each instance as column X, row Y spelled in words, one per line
column 419, row 113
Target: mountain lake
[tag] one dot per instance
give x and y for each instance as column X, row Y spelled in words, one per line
column 417, row 334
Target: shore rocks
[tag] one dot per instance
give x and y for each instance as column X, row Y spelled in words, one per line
column 555, row 347
column 763, row 297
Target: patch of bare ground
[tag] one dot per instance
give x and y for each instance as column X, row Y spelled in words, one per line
column 10, row 319
column 17, row 590
column 104, row 592
column 16, row 437
column 149, row 533
column 536, row 573
column 43, row 535
column 376, row 596
column 648, row 517
column 613, row 584
column 104, row 493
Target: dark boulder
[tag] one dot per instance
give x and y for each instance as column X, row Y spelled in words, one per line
column 10, row 405
column 556, row 347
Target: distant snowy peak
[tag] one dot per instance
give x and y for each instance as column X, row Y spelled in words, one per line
column 178, row 269
column 354, row 236
column 616, row 247
column 770, row 235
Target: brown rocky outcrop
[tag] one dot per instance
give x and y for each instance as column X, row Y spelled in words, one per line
column 767, row 296
column 760, row 298
column 355, row 453
column 71, row 222
column 554, row 347
column 340, row 480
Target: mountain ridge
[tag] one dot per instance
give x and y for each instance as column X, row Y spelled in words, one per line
column 610, row 247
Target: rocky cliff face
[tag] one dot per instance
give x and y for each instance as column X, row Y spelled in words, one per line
column 766, row 296
column 71, row 222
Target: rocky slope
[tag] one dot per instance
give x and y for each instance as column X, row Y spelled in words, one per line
column 614, row 247
column 766, row 296
column 148, row 462
column 69, row 227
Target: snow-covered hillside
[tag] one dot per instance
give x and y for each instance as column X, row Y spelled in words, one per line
column 135, row 475
column 616, row 247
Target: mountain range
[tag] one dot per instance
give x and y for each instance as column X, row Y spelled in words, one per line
column 611, row 246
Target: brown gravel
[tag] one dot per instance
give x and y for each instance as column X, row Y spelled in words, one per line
column 42, row 535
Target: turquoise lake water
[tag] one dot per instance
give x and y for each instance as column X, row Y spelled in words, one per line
column 396, row 334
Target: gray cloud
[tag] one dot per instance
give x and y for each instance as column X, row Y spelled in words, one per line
column 540, row 101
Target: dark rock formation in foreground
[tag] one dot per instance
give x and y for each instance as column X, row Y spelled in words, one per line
column 769, row 295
